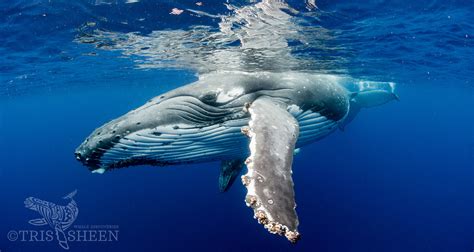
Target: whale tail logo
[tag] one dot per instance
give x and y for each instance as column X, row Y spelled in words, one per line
column 58, row 217
column 70, row 195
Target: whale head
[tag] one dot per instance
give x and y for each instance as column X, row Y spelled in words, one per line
column 35, row 203
column 157, row 132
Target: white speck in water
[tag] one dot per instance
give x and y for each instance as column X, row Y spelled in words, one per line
column 176, row 11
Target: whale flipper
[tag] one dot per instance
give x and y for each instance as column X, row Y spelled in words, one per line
column 229, row 171
column 38, row 222
column 273, row 132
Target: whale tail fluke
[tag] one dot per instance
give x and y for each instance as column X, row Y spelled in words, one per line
column 70, row 195
column 61, row 236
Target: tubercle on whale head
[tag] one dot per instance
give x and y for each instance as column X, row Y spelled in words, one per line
column 104, row 138
column 90, row 159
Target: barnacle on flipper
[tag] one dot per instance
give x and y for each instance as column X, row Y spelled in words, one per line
column 292, row 236
column 275, row 228
column 246, row 107
column 245, row 180
column 261, row 217
column 280, row 229
column 245, row 130
column 251, row 201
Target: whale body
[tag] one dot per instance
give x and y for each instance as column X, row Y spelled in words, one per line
column 256, row 119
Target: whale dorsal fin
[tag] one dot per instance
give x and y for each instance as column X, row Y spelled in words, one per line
column 273, row 132
column 229, row 171
column 38, row 222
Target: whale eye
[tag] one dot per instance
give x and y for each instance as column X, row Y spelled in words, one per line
column 209, row 98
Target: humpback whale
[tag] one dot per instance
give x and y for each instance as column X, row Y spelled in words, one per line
column 255, row 120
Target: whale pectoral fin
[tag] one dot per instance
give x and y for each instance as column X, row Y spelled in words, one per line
column 273, row 132
column 229, row 171
column 38, row 222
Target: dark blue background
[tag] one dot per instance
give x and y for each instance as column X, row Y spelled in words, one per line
column 400, row 178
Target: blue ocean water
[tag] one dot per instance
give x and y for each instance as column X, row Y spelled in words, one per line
column 399, row 178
